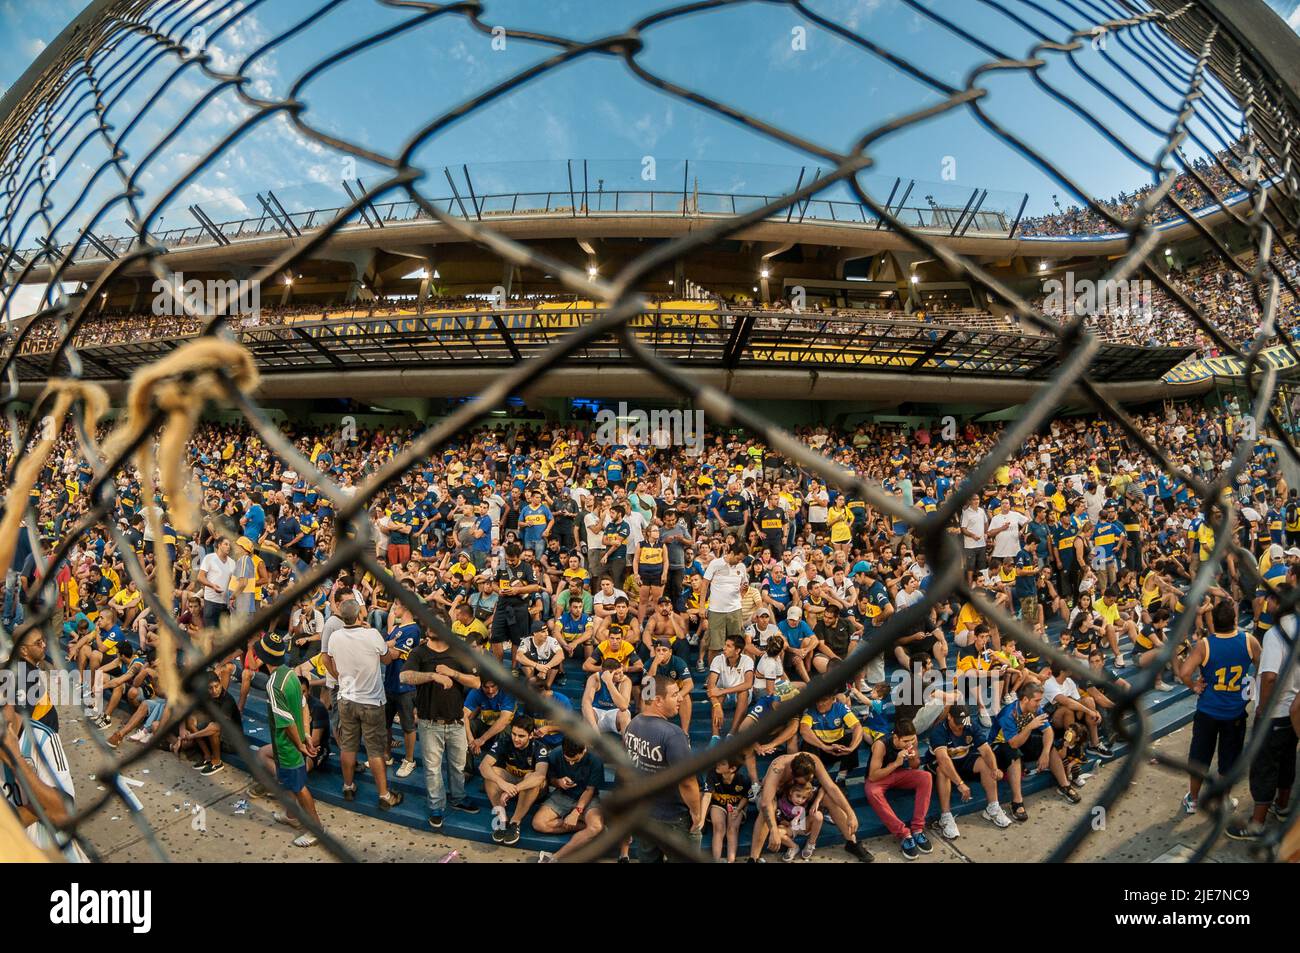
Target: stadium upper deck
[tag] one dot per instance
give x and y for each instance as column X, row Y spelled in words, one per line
column 975, row 221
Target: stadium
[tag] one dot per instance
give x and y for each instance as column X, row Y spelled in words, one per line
column 783, row 502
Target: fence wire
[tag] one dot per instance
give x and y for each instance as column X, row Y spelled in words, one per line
column 1188, row 61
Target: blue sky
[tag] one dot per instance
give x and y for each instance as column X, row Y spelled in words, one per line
column 829, row 92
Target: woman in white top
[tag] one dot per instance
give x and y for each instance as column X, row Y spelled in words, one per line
column 769, row 668
column 819, row 502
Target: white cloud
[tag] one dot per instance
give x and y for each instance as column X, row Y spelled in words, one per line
column 644, row 130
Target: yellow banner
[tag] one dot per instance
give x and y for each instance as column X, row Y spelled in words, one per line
column 1194, row 369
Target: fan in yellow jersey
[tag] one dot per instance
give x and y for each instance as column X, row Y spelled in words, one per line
column 650, row 566
column 466, row 626
column 619, row 635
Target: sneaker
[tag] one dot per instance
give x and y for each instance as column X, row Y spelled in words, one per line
column 391, row 800
column 305, row 839
column 1162, row 687
column 197, row 766
column 997, row 816
column 465, row 807
column 922, row 842
column 349, row 792
column 714, row 741
column 909, row 848
column 699, row 666
column 498, row 835
column 1245, row 830
column 545, row 857
column 101, row 722
column 143, row 736
column 1069, row 793
column 212, row 769
column 748, row 860
column 1008, row 698
column 405, row 769
column 986, row 719
column 808, row 851
column 1189, row 805
column 113, row 740
column 1100, row 749
column 790, row 853
column 435, row 821
column 1281, row 812
column 858, row 850
column 1121, row 662
column 388, row 761
column 948, row 827
column 511, row 835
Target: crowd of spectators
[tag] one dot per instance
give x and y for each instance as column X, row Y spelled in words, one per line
column 634, row 582
column 1077, row 220
column 1226, row 298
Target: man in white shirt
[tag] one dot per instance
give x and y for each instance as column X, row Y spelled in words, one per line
column 636, row 524
column 33, row 765
column 722, row 581
column 355, row 657
column 593, row 521
column 1068, row 707
column 606, row 596
column 730, row 681
column 1272, row 773
column 214, row 576
column 974, row 538
column 1004, row 529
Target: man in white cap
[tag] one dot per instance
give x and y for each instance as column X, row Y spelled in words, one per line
column 800, row 643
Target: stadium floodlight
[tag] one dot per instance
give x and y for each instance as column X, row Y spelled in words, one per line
column 764, row 273
column 591, row 271
column 916, row 279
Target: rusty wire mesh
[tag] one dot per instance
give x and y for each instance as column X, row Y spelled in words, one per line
column 103, row 61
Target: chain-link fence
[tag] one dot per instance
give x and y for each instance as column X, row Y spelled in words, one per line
column 1189, row 59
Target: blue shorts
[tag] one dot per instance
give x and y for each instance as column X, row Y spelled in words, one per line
column 292, row 780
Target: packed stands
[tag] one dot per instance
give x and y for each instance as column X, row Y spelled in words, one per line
column 592, row 562
column 1077, row 221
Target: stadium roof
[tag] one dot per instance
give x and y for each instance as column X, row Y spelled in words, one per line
column 442, row 349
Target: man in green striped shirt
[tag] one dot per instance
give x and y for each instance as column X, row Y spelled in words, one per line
column 290, row 743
